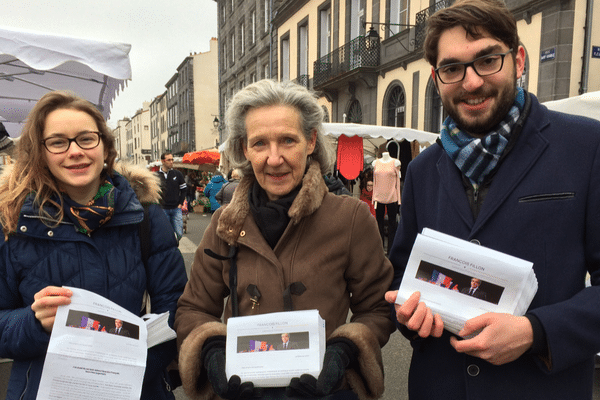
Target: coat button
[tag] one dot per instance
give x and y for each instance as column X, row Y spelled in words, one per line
column 243, row 233
column 473, row 370
column 50, row 233
column 23, row 228
column 475, row 241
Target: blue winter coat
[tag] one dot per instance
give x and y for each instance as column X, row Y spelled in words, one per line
column 543, row 205
column 108, row 263
column 211, row 190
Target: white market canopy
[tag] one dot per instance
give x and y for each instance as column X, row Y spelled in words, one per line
column 587, row 105
column 375, row 131
column 33, row 63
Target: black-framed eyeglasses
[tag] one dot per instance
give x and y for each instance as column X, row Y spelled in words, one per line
column 86, row 140
column 483, row 66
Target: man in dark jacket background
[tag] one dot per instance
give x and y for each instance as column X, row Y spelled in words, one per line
column 173, row 193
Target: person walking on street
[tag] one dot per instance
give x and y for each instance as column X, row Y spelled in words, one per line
column 173, row 193
column 212, row 188
column 226, row 193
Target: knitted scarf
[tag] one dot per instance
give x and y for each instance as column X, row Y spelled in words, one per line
column 96, row 213
column 477, row 157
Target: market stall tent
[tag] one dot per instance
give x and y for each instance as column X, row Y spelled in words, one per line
column 34, row 63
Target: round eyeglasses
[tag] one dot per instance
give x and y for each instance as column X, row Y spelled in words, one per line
column 483, row 66
column 85, row 140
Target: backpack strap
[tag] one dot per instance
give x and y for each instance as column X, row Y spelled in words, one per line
column 144, row 231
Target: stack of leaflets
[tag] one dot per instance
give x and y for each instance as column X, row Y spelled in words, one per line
column 256, row 344
column 158, row 327
column 460, row 280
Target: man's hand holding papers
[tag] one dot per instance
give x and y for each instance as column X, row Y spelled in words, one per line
column 416, row 316
column 437, row 293
column 503, row 337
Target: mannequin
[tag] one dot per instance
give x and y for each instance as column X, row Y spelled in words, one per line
column 386, row 195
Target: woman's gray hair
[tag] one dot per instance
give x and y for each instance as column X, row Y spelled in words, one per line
column 265, row 93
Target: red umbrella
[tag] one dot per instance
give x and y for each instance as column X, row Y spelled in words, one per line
column 202, row 157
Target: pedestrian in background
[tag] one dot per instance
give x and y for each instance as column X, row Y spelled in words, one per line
column 226, row 193
column 212, row 188
column 173, row 192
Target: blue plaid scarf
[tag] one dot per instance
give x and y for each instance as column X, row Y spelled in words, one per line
column 477, row 157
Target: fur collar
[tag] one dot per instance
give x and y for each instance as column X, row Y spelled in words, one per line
column 309, row 199
column 145, row 183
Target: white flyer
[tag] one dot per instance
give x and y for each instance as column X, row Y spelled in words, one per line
column 271, row 349
column 97, row 350
column 460, row 280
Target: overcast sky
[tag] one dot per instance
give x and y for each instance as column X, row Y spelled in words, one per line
column 161, row 34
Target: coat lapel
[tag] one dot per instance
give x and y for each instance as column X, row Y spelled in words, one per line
column 528, row 149
column 451, row 180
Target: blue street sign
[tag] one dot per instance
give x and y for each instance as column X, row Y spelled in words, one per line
column 595, row 51
column 548, row 55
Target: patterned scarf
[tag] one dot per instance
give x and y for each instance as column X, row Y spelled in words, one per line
column 477, row 157
column 96, row 213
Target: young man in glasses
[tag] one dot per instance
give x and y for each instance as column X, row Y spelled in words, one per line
column 519, row 179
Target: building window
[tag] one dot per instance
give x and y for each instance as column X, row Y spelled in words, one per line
column 253, row 77
column 396, row 107
column 266, row 71
column 285, row 59
column 233, row 48
column 266, row 8
column 242, row 38
column 253, row 27
column 355, row 113
column 225, row 56
column 325, row 32
column 303, row 49
column 398, row 15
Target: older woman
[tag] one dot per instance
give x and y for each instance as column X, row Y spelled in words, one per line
column 69, row 219
column 290, row 244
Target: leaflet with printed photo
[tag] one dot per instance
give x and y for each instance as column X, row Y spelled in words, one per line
column 271, row 349
column 98, row 349
column 461, row 280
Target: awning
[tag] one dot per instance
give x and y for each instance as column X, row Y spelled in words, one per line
column 33, row 64
column 375, row 131
column 587, row 105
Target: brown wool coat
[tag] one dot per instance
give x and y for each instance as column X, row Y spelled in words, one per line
column 332, row 245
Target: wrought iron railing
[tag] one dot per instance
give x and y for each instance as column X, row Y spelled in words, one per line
column 302, row 80
column 421, row 21
column 355, row 54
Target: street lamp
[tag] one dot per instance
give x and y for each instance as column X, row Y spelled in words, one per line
column 372, row 38
column 216, row 122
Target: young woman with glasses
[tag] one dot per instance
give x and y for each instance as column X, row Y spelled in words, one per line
column 71, row 217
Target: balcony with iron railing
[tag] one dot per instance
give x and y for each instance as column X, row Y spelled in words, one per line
column 302, row 80
column 360, row 54
column 421, row 20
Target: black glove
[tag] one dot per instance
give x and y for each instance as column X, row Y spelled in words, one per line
column 340, row 354
column 213, row 359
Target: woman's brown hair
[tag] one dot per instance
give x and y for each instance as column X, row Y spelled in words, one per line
column 29, row 173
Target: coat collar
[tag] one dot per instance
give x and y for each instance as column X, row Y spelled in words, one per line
column 309, row 199
column 528, row 149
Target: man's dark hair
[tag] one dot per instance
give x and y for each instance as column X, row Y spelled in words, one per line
column 475, row 16
column 165, row 154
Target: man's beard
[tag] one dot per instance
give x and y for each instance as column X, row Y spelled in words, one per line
column 480, row 128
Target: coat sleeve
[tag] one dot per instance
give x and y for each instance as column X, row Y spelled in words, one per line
column 165, row 279
column 369, row 276
column 199, row 311
column 21, row 334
